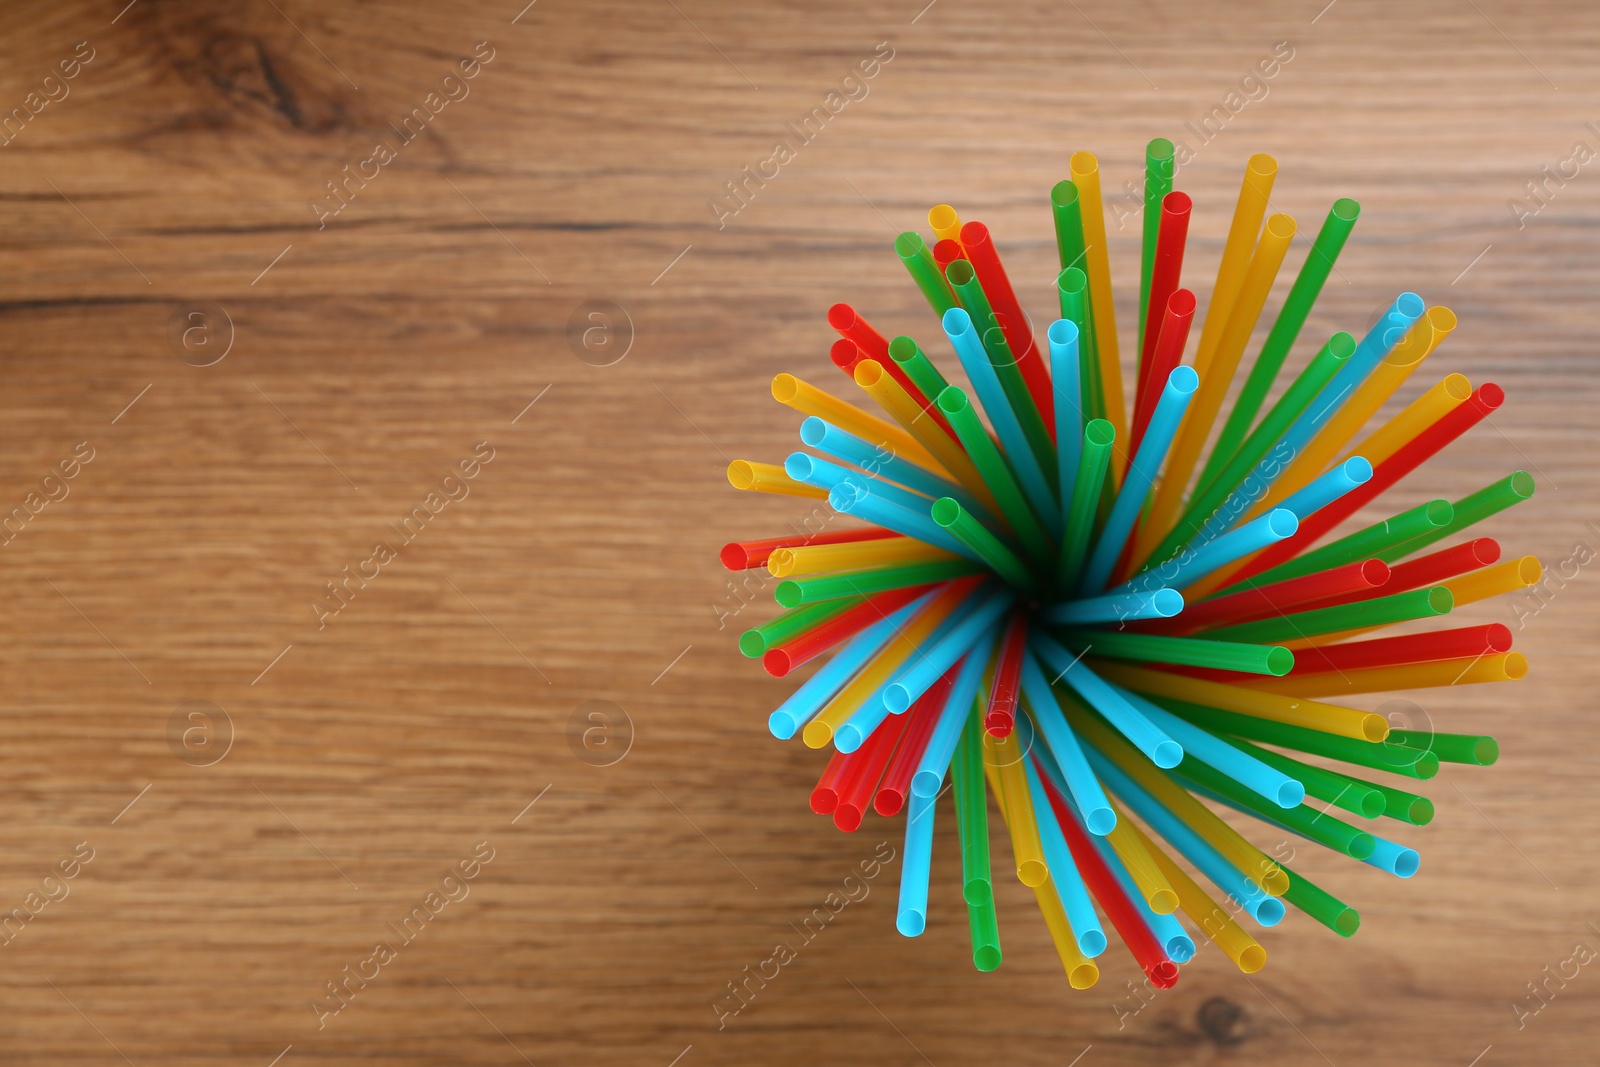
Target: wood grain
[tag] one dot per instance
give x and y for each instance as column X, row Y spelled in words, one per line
column 371, row 754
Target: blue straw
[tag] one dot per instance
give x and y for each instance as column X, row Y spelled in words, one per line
column 1145, row 735
column 804, row 703
column 1157, row 440
column 853, row 497
column 1322, row 491
column 942, row 742
column 1079, row 781
column 1193, row 563
column 1064, row 874
column 1019, row 456
column 878, row 462
column 1395, row 858
column 918, row 678
column 1118, row 607
column 804, row 467
column 1064, row 379
column 912, row 917
column 1178, row 945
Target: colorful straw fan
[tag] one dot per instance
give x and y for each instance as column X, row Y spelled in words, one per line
column 1052, row 592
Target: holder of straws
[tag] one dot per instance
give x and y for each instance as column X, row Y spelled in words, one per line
column 1053, row 600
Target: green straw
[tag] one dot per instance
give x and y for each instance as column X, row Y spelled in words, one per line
column 1188, row 651
column 1289, row 407
column 1093, row 460
column 1069, row 224
column 1303, row 819
column 1021, row 400
column 985, row 935
column 1158, row 168
column 948, row 513
column 1374, row 754
column 1471, row 509
column 918, row 367
column 793, row 592
column 1379, row 611
column 994, row 469
column 754, row 643
column 1285, row 330
column 972, row 815
column 913, row 252
column 1340, row 790
column 1321, row 905
column 1072, row 285
column 1372, row 542
column 1406, row 807
column 1450, row 748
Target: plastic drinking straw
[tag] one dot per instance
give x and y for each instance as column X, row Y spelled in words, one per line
column 1397, row 859
column 1149, row 881
column 855, row 711
column 1072, row 287
column 1322, row 906
column 1239, row 483
column 1425, row 336
column 1461, row 642
column 1158, row 171
column 1330, row 486
column 935, row 761
column 1251, row 208
column 807, row 700
column 1069, row 224
column 1172, row 333
column 911, row 914
column 1285, row 331
column 1340, row 790
column 1436, row 567
column 1272, row 660
column 1013, row 389
column 1353, row 580
column 972, row 815
column 1268, row 782
column 1149, row 738
column 825, row 797
column 1307, row 821
column 1065, row 878
column 843, row 318
column 1368, row 543
column 924, row 716
column 1068, row 406
column 946, row 252
column 1000, row 714
column 1119, row 907
column 936, row 657
column 1217, row 867
column 1097, row 265
column 1175, row 943
column 847, row 356
column 1379, row 611
column 1403, row 806
column 985, row 925
column 1173, row 215
column 944, row 222
column 744, row 555
column 1507, row 667
column 991, row 465
column 821, row 559
column 853, row 497
column 813, row 470
column 1469, row 511
column 1003, row 758
column 1245, row 952
column 930, row 431
column 793, row 592
column 860, row 782
column 783, row 656
column 1049, row 723
column 909, row 357
column 1181, row 386
column 950, row 515
column 809, row 400
column 877, row 462
column 1378, row 756
column 1476, row 749
column 1274, row 707
column 1504, row 577
column 1082, row 973
column 1093, row 461
column 1117, row 607
column 914, row 253
column 768, row 478
column 985, row 260
column 756, row 641
column 1425, row 410
column 1219, row 369
column 1204, row 558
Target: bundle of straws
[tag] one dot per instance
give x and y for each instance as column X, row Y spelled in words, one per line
column 1067, row 609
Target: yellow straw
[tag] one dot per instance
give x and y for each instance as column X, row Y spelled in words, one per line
column 1082, row 972
column 819, row 731
column 809, row 400
column 1251, row 208
column 1214, row 382
column 1424, row 411
column 1249, row 860
column 893, row 398
column 853, row 556
column 1086, row 176
column 945, row 222
column 1002, row 760
column 1273, row 706
column 1504, row 667
column 1130, row 848
column 1246, row 953
column 769, row 478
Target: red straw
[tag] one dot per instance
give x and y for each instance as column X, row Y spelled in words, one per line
column 1409, row 457
column 924, row 716
column 865, row 767
column 1164, row 272
column 845, row 354
column 1001, row 717
column 947, row 252
column 1446, row 563
column 825, row 797
column 1361, row 578
column 1462, row 643
column 985, row 260
column 1166, row 353
column 803, row 648
column 1107, row 890
column 742, row 555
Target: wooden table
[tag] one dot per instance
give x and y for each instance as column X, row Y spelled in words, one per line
column 271, row 378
